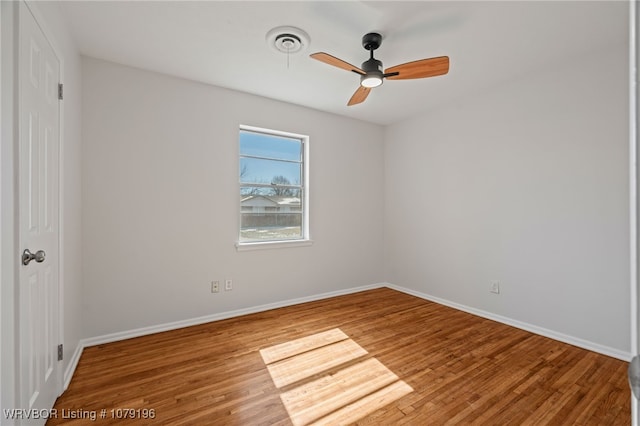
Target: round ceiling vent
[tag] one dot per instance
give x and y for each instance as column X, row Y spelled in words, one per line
column 287, row 40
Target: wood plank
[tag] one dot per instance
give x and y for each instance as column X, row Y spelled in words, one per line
column 366, row 405
column 303, row 344
column 460, row 367
column 323, row 396
column 307, row 364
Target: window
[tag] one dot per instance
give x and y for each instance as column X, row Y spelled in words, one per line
column 273, row 187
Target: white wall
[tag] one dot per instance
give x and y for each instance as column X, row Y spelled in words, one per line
column 160, row 213
column 55, row 28
column 526, row 184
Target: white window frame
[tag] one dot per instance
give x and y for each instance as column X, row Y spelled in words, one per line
column 299, row 242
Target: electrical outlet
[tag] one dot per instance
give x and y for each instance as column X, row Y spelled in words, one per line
column 228, row 285
column 495, row 287
column 215, row 286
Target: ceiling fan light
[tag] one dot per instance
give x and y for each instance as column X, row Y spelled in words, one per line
column 370, row 81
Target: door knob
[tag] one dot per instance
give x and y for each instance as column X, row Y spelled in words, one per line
column 27, row 256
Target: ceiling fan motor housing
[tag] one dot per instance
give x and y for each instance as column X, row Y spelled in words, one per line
column 372, row 65
column 373, row 73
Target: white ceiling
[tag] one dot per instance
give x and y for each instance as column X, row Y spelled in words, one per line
column 223, row 44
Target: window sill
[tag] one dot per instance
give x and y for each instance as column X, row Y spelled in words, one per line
column 272, row 245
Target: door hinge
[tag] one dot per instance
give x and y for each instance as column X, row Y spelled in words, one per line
column 60, row 91
column 60, row 352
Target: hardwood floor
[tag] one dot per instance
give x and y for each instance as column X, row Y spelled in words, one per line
column 456, row 368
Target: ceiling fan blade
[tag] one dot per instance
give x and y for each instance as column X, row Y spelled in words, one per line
column 332, row 60
column 419, row 69
column 359, row 96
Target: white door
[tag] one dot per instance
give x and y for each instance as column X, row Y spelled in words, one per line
column 39, row 137
column 634, row 131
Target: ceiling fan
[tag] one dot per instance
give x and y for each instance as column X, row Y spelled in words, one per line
column 371, row 74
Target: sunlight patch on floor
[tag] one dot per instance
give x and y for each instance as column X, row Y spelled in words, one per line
column 347, row 386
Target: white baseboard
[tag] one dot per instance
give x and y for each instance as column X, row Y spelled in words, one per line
column 71, row 368
column 575, row 341
column 122, row 335
column 114, row 337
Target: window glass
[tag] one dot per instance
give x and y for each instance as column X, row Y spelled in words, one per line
column 272, row 187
